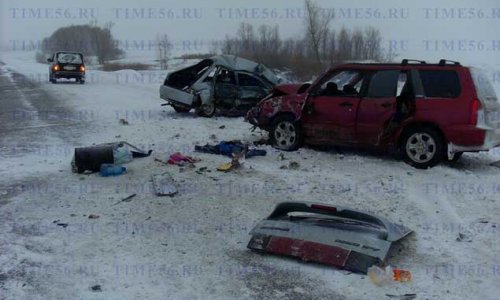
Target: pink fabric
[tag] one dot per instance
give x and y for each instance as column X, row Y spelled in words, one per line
column 180, row 159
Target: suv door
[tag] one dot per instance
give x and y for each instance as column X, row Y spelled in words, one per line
column 330, row 111
column 378, row 105
column 252, row 89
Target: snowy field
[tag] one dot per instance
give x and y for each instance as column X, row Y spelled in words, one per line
column 193, row 246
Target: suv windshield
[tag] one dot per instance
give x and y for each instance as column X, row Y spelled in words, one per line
column 69, row 58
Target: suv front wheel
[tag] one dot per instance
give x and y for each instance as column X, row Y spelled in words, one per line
column 285, row 133
column 422, row 147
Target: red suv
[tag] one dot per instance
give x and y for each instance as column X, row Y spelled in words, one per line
column 429, row 112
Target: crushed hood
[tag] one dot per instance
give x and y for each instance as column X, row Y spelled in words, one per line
column 236, row 63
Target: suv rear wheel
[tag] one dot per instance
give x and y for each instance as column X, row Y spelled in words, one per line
column 285, row 133
column 422, row 147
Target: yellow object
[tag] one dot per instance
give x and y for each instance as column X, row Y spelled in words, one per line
column 225, row 167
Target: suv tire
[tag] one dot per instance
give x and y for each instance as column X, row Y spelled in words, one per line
column 422, row 147
column 285, row 133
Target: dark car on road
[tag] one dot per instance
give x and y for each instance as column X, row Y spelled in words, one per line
column 66, row 65
column 428, row 112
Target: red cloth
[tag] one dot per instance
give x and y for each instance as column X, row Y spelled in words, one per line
column 180, row 159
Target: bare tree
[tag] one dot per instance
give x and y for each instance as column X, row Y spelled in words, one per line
column 373, row 49
column 163, row 50
column 317, row 22
column 344, row 47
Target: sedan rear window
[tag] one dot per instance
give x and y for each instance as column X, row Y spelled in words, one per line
column 440, row 84
column 69, row 58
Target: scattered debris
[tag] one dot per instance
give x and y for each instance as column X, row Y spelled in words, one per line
column 126, row 199
column 462, row 237
column 123, row 122
column 91, row 158
column 229, row 148
column 293, row 165
column 107, row 170
column 382, row 276
column 352, row 240
column 93, row 217
column 63, row 225
column 161, row 161
column 402, row 297
column 281, row 157
column 222, row 127
column 164, row 185
column 96, row 288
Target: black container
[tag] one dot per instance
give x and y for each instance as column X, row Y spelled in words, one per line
column 91, row 158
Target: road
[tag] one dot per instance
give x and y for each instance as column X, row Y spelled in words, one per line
column 193, row 246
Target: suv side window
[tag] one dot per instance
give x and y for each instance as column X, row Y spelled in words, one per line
column 383, row 84
column 440, row 84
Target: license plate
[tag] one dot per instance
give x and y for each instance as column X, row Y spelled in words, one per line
column 69, row 68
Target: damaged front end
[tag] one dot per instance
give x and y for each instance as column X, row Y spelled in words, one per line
column 289, row 98
column 320, row 233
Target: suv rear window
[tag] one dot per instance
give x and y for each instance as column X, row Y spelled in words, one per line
column 440, row 84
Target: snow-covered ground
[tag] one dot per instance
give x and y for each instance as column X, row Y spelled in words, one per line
column 193, row 246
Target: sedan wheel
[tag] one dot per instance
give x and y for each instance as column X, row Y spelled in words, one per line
column 207, row 110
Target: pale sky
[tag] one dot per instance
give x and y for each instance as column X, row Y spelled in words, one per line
column 456, row 29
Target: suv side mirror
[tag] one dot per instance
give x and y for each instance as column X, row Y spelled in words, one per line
column 50, row 59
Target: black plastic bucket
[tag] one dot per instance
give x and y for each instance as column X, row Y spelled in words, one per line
column 91, row 158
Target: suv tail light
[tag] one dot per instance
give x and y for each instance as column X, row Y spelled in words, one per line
column 82, row 68
column 56, row 68
column 476, row 105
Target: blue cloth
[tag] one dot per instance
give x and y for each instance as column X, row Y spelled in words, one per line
column 228, row 148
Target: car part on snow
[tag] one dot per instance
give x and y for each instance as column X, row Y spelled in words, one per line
column 229, row 148
column 325, row 234
column 91, row 158
column 164, row 184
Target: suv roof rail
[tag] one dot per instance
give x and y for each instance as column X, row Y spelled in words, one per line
column 405, row 61
column 443, row 62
